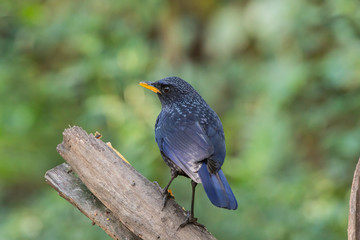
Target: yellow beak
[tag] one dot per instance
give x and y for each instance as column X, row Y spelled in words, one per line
column 148, row 86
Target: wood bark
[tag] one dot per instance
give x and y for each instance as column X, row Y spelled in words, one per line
column 354, row 208
column 70, row 187
column 132, row 199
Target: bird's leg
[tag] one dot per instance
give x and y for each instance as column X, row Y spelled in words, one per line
column 165, row 191
column 174, row 174
column 190, row 216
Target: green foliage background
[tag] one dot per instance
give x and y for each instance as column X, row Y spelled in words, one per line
column 282, row 75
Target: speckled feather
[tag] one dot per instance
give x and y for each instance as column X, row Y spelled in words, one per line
column 184, row 129
column 191, row 140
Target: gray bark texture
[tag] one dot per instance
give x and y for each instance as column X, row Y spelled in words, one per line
column 354, row 208
column 113, row 194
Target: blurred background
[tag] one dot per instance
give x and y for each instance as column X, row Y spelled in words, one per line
column 282, row 75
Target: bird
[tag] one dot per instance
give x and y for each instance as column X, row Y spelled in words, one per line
column 191, row 140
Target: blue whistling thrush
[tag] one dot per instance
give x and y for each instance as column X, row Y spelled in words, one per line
column 191, row 140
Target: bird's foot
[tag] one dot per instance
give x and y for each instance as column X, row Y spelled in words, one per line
column 190, row 220
column 166, row 193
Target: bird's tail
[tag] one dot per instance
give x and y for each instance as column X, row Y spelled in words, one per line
column 217, row 188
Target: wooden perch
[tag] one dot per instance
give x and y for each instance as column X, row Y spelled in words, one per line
column 135, row 202
column 70, row 187
column 354, row 209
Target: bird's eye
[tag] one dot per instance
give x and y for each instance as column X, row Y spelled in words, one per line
column 166, row 89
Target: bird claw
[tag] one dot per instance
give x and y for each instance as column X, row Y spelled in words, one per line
column 190, row 220
column 167, row 195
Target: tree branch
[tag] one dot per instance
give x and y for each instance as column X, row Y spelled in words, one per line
column 354, row 209
column 70, row 187
column 132, row 198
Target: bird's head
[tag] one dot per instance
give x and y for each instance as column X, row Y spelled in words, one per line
column 170, row 90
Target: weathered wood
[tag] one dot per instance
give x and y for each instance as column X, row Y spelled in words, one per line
column 354, row 208
column 132, row 198
column 70, row 187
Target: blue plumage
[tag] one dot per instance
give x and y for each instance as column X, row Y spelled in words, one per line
column 217, row 188
column 191, row 140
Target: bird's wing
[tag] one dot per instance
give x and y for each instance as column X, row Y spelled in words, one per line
column 215, row 133
column 186, row 144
